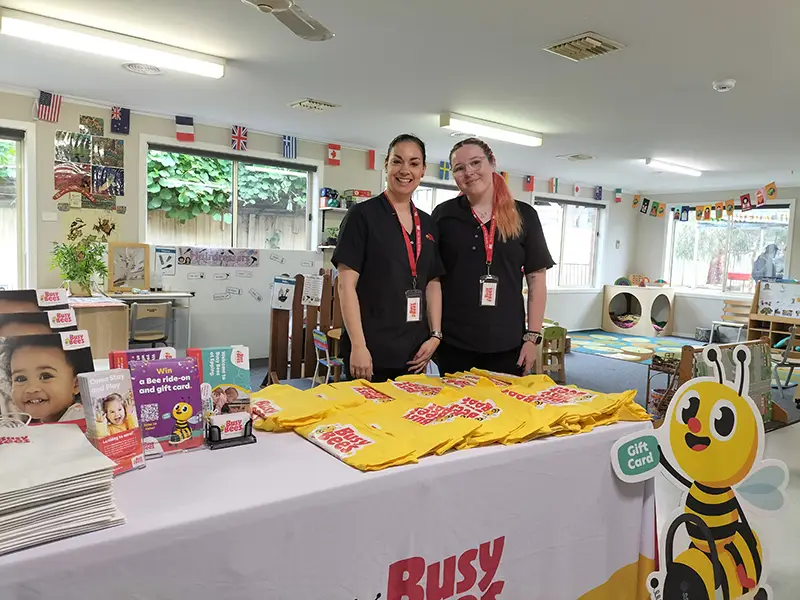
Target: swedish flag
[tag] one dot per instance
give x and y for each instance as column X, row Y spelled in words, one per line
column 444, row 170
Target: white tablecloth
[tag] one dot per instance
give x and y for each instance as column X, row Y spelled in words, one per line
column 282, row 520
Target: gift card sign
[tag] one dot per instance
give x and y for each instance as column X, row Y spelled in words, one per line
column 633, row 459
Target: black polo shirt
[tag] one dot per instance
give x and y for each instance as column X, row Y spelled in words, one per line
column 465, row 323
column 371, row 242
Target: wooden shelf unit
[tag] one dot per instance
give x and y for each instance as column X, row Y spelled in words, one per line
column 773, row 327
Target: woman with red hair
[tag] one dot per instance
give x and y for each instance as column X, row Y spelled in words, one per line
column 488, row 241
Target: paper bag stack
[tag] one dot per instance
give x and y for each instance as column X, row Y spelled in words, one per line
column 53, row 484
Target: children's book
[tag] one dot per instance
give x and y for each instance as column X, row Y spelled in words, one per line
column 112, row 424
column 37, row 323
column 15, row 301
column 226, row 370
column 39, row 377
column 120, row 359
column 167, row 394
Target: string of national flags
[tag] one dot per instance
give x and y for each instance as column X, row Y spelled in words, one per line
column 708, row 212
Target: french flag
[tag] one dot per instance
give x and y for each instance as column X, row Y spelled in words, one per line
column 184, row 129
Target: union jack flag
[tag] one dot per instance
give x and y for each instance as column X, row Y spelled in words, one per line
column 239, row 138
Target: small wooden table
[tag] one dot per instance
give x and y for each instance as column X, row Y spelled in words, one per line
column 106, row 321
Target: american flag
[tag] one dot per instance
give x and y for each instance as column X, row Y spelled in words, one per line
column 48, row 107
column 239, row 138
column 289, row 146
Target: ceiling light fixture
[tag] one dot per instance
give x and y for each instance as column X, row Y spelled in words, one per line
column 495, row 131
column 105, row 43
column 672, row 168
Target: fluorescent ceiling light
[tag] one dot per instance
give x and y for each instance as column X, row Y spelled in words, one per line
column 105, row 43
column 665, row 166
column 488, row 129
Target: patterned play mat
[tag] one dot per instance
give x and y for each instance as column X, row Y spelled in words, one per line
column 626, row 347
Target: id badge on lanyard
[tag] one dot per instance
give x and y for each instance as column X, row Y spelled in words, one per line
column 488, row 282
column 413, row 296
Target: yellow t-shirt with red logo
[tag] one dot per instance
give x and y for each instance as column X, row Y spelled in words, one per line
column 357, row 444
column 426, row 425
column 279, row 407
column 354, row 393
column 410, row 390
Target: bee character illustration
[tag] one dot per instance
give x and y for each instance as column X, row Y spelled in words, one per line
column 711, row 445
column 183, row 413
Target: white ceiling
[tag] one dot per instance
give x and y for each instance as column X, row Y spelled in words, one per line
column 394, row 65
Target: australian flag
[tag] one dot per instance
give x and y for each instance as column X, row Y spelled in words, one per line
column 289, row 146
column 120, row 120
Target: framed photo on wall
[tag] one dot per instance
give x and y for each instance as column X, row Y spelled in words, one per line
column 128, row 267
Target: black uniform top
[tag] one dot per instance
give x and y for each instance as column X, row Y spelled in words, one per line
column 371, row 242
column 465, row 323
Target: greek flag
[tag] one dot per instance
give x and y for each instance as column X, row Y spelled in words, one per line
column 289, row 146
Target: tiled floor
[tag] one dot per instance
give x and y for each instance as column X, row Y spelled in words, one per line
column 779, row 533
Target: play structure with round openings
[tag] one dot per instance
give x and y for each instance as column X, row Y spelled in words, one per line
column 642, row 311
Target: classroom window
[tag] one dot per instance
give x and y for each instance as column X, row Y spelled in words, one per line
column 428, row 197
column 213, row 200
column 571, row 231
column 10, row 209
column 727, row 254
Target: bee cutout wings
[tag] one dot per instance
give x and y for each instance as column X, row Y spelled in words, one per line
column 765, row 488
column 194, row 420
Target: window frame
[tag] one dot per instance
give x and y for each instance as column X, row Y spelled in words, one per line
column 541, row 199
column 27, row 262
column 315, row 169
column 669, row 247
column 437, row 186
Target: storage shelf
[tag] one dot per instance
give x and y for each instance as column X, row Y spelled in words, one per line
column 333, row 209
column 326, row 247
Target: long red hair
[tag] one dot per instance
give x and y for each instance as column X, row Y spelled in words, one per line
column 509, row 221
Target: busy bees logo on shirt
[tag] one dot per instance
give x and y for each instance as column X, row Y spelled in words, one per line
column 561, row 395
column 459, row 382
column 418, row 389
column 529, row 398
column 469, row 575
column 372, row 394
column 340, row 440
column 265, row 408
column 14, row 439
column 428, row 415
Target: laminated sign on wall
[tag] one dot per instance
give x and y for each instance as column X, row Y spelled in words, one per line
column 282, row 293
column 711, row 445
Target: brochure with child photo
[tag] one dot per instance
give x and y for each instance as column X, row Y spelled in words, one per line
column 112, row 423
column 37, row 323
column 39, row 377
column 20, row 301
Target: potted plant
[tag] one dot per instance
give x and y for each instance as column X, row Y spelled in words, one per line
column 79, row 262
column 331, row 236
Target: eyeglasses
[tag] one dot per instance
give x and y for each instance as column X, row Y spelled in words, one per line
column 473, row 165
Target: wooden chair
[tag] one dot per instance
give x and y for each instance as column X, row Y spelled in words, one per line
column 790, row 357
column 324, row 356
column 735, row 313
column 150, row 323
column 554, row 344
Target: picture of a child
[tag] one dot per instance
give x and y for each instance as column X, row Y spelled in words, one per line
column 30, row 323
column 119, row 413
column 44, row 382
column 18, row 301
column 220, row 399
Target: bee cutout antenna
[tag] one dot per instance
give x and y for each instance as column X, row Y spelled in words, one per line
column 711, row 356
column 742, row 356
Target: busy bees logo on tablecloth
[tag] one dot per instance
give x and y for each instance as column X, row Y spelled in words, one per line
column 469, row 575
column 711, row 445
column 340, row 440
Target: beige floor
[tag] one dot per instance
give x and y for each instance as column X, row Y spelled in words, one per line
column 780, row 534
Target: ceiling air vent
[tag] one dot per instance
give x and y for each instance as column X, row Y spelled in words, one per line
column 142, row 69
column 312, row 105
column 575, row 157
column 583, row 46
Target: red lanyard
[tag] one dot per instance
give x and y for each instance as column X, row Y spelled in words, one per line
column 488, row 236
column 412, row 260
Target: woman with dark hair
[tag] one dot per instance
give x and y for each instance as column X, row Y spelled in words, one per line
column 488, row 242
column 389, row 266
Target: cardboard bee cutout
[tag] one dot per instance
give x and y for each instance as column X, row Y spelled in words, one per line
column 711, row 445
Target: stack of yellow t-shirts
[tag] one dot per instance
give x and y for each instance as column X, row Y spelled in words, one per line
column 459, row 380
column 353, row 393
column 426, row 425
column 499, row 379
column 410, row 390
column 280, row 407
column 357, row 444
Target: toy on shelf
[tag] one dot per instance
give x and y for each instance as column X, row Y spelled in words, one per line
column 350, row 197
column 329, row 198
column 622, row 281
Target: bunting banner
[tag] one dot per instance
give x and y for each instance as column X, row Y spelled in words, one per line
column 761, row 199
column 654, row 209
column 772, row 191
column 645, row 206
column 554, row 185
column 636, row 199
column 529, row 183
column 661, row 209
column 730, row 206
column 676, row 214
column 698, row 213
column 598, row 193
column 746, row 203
column 684, row 213
column 719, row 209
column 618, row 195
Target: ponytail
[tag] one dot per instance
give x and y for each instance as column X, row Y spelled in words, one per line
column 509, row 222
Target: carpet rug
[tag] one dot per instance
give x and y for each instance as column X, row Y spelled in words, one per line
column 629, row 348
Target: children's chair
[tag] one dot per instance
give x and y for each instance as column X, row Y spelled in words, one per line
column 554, row 343
column 320, row 348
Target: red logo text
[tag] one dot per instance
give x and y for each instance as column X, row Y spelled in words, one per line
column 23, row 439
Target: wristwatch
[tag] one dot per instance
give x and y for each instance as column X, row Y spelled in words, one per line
column 532, row 336
column 437, row 334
